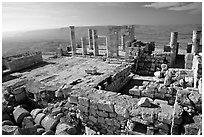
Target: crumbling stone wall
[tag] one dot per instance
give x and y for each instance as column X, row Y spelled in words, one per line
column 20, row 63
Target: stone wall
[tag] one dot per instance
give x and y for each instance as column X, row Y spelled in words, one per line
column 116, row 80
column 17, row 64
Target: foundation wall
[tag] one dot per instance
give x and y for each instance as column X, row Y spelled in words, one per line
column 24, row 62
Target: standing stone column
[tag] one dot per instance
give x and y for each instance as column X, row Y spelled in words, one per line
column 113, row 42
column 73, row 40
column 123, row 42
column 173, row 46
column 83, row 45
column 95, row 42
column 196, row 41
column 90, row 38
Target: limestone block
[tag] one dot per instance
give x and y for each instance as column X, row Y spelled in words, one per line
column 135, row 92
column 9, row 129
column 34, row 112
column 40, row 131
column 195, row 97
column 89, row 131
column 65, row 127
column 106, row 106
column 109, row 121
column 162, row 89
column 19, row 113
column 102, row 113
column 112, row 115
column 150, row 130
column 27, row 122
column 73, row 99
column 83, row 108
column 92, row 111
column 39, row 118
column 158, row 101
column 101, row 120
column 84, row 101
column 159, row 95
column 49, row 123
column 145, row 102
column 93, row 119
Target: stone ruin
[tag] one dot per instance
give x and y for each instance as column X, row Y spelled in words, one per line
column 144, row 95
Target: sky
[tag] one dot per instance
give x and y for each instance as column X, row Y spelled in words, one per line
column 22, row 16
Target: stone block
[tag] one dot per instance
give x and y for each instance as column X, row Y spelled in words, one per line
column 83, row 108
column 89, row 131
column 63, row 127
column 34, row 112
column 20, row 97
column 159, row 101
column 109, row 121
column 56, row 111
column 162, row 125
column 27, row 122
column 162, row 89
column 101, row 120
column 135, row 92
column 92, row 111
column 19, row 113
column 112, row 115
column 159, row 96
column 7, row 122
column 40, row 131
column 116, row 123
column 84, row 101
column 39, row 118
column 9, row 130
column 145, row 102
column 191, row 129
column 150, row 131
column 58, row 116
column 49, row 123
column 106, row 106
column 73, row 99
column 93, row 104
column 18, row 90
column 102, row 113
column 93, row 119
column 195, row 97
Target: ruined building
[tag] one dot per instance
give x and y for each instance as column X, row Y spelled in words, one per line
column 125, row 88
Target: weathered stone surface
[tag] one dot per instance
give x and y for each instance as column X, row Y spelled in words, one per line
column 65, row 127
column 40, row 131
column 102, row 113
column 73, row 99
column 9, row 130
column 7, row 122
column 158, row 101
column 150, row 131
column 145, row 102
column 49, row 123
column 162, row 89
column 112, row 115
column 38, row 119
column 27, row 122
column 162, row 125
column 135, row 92
column 19, row 113
column 84, row 101
column 109, row 121
column 90, row 131
column 191, row 129
column 93, row 119
column 83, row 108
column 49, row 132
column 195, row 97
column 34, row 112
column 59, row 116
column 105, row 105
column 56, row 111
column 93, row 104
column 101, row 120
column 92, row 111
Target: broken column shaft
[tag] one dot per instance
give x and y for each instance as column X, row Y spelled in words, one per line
column 113, row 42
column 123, row 42
column 83, row 45
column 90, row 38
column 95, row 42
column 73, row 40
column 173, row 45
column 196, row 41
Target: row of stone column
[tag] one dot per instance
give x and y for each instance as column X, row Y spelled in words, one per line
column 174, row 45
column 93, row 41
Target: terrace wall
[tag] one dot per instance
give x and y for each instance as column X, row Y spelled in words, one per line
column 17, row 64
